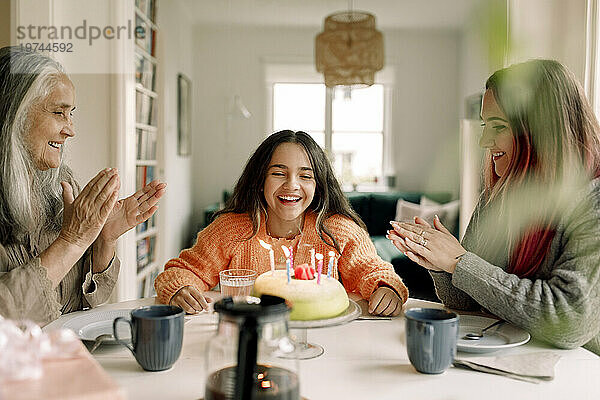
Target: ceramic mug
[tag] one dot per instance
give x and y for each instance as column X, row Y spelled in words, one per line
column 156, row 335
column 431, row 336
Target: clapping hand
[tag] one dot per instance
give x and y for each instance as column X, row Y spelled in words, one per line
column 434, row 248
column 85, row 215
column 135, row 209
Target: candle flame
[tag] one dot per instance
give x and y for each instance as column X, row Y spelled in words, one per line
column 286, row 251
column 331, row 254
column 260, row 376
column 264, row 244
column 319, row 256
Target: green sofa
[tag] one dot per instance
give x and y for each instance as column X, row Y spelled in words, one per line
column 377, row 209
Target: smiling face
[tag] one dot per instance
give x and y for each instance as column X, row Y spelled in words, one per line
column 51, row 124
column 289, row 188
column 497, row 134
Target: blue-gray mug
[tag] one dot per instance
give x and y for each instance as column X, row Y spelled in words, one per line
column 431, row 336
column 156, row 335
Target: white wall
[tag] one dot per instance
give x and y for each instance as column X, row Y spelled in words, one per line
column 549, row 29
column 229, row 61
column 89, row 151
column 175, row 48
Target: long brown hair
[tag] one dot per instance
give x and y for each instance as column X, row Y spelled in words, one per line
column 329, row 199
column 555, row 137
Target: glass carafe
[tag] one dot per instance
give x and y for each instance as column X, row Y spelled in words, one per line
column 252, row 355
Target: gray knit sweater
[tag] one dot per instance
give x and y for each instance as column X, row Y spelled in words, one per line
column 560, row 304
column 27, row 293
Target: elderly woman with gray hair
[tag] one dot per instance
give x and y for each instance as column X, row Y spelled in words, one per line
column 57, row 242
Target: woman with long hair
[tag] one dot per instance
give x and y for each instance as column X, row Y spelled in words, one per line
column 57, row 242
column 287, row 195
column 531, row 252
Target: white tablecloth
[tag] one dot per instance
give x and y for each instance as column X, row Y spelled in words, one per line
column 364, row 359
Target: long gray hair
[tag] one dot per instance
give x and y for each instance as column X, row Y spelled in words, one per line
column 30, row 199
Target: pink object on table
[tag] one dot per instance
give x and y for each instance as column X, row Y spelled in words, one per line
column 79, row 377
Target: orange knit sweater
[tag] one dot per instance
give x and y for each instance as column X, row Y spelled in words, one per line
column 222, row 245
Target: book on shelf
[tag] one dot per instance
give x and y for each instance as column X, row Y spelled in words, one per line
column 146, row 145
column 151, row 143
column 151, row 10
column 143, row 258
column 140, row 40
column 153, row 112
column 139, row 67
column 152, row 43
column 152, row 277
column 148, row 8
column 139, row 136
column 141, row 227
column 146, row 253
column 151, row 248
column 147, row 224
column 144, row 71
column 144, row 174
column 145, row 109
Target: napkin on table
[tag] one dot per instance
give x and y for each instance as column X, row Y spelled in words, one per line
column 78, row 377
column 530, row 367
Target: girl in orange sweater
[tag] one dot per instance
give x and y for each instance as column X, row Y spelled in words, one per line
column 287, row 195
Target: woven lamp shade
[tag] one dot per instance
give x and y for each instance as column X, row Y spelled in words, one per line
column 349, row 50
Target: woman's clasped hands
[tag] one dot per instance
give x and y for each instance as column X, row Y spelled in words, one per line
column 432, row 247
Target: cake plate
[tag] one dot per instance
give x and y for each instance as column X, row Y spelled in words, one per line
column 299, row 329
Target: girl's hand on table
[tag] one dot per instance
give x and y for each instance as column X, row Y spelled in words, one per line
column 434, row 247
column 190, row 299
column 385, row 302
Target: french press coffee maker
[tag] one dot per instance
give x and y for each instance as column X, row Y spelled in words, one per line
column 252, row 357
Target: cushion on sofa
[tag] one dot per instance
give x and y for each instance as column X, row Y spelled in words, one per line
column 448, row 212
column 427, row 209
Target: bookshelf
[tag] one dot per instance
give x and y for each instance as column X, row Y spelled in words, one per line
column 147, row 139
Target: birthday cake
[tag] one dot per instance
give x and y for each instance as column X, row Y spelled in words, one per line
column 310, row 300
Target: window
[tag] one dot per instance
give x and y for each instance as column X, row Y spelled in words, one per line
column 354, row 134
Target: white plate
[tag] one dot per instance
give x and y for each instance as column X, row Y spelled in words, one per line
column 93, row 323
column 502, row 337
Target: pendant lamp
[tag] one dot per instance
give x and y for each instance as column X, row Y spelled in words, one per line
column 349, row 50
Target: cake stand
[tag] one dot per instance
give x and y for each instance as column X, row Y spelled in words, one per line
column 299, row 329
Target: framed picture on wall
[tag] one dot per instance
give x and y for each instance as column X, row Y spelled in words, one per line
column 184, row 115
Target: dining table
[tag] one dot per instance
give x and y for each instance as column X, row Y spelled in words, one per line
column 363, row 359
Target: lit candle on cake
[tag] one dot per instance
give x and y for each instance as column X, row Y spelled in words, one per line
column 292, row 258
column 286, row 251
column 330, row 265
column 271, row 254
column 319, row 258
